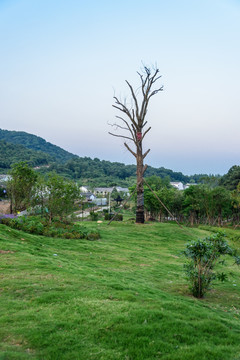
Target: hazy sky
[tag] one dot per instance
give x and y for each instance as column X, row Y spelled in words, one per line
column 61, row 62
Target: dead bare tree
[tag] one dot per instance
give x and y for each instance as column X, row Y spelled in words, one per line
column 132, row 125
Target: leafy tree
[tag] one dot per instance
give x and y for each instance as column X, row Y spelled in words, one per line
column 151, row 204
column 203, row 257
column 236, row 203
column 221, row 200
column 171, row 198
column 193, row 202
column 21, row 186
column 232, row 178
column 211, row 181
column 59, row 197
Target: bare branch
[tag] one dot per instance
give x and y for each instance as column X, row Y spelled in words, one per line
column 146, row 132
column 144, row 169
column 121, row 136
column 134, row 98
column 117, row 126
column 144, row 81
column 131, row 151
column 124, row 109
column 145, row 154
column 125, row 122
column 154, row 92
column 156, row 79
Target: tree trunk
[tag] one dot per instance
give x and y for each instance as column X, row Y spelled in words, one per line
column 140, row 190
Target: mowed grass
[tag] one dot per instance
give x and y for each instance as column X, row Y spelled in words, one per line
column 122, row 297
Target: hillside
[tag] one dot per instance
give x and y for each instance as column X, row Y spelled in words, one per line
column 122, row 297
column 36, row 143
column 12, row 153
column 92, row 171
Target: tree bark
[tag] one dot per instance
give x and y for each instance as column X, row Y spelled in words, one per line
column 140, row 190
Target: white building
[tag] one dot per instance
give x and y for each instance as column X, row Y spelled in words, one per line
column 103, row 190
column 100, row 201
column 124, row 190
column 177, row 185
column 84, row 189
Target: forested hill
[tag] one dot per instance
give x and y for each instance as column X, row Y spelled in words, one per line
column 18, row 146
column 12, row 153
column 104, row 172
column 36, row 143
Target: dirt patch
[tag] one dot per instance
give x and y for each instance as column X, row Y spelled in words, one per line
column 144, row 265
column 4, row 207
column 6, row 252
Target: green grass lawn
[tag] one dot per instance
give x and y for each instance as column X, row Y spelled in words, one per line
column 121, row 297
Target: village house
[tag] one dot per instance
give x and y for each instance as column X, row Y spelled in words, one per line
column 89, row 196
column 177, row 185
column 104, row 191
column 84, row 189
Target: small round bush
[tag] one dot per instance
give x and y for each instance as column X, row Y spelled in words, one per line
column 93, row 236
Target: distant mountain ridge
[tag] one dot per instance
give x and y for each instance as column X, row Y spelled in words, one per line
column 18, row 146
column 36, row 143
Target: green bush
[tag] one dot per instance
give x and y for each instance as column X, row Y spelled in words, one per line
column 203, row 257
column 5, row 221
column 93, row 216
column 93, row 236
column 118, row 217
column 39, row 226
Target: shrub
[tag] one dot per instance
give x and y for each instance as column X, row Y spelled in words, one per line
column 93, row 236
column 118, row 217
column 203, row 256
column 39, row 226
column 93, row 216
column 5, row 221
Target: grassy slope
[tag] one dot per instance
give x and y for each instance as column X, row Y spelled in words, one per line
column 123, row 297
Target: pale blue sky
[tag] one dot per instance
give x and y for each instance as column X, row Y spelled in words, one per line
column 62, row 61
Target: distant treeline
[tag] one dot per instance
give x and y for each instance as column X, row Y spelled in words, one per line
column 198, row 204
column 113, row 173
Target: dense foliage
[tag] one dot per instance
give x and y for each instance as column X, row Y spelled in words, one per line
column 55, row 196
column 198, row 204
column 11, row 154
column 105, row 173
column 232, row 178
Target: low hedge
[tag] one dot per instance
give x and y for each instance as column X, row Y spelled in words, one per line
column 39, row 226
